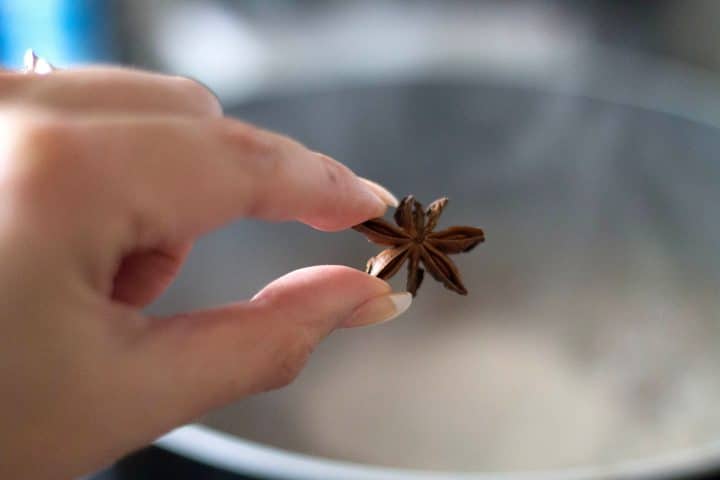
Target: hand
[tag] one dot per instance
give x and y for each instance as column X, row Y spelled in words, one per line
column 106, row 178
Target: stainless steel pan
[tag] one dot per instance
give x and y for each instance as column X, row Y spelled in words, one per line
column 587, row 347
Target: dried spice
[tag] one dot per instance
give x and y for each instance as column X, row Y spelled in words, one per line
column 414, row 240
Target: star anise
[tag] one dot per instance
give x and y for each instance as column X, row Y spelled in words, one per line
column 415, row 241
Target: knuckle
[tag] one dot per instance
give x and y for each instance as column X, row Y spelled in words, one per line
column 260, row 157
column 203, row 100
column 35, row 147
column 292, row 358
column 252, row 141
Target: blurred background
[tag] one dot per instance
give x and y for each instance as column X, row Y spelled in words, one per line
column 239, row 46
column 581, row 135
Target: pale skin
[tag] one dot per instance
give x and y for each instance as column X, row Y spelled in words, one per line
column 107, row 177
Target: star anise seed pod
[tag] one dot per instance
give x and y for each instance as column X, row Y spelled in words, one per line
column 415, row 241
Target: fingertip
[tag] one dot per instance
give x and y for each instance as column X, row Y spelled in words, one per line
column 345, row 199
column 379, row 310
column 383, row 193
column 346, row 285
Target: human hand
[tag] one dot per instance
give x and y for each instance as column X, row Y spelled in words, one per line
column 106, row 178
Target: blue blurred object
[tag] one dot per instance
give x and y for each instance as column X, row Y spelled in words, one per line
column 65, row 32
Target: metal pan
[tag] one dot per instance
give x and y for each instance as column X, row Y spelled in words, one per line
column 587, row 347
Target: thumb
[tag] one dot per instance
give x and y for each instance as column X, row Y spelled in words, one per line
column 194, row 362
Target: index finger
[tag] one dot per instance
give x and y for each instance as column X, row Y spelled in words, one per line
column 179, row 177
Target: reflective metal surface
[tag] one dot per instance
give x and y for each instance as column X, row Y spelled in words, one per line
column 590, row 333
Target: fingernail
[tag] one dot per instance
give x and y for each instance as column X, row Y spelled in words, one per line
column 379, row 310
column 388, row 198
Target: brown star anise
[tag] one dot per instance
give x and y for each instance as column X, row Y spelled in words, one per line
column 416, row 242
